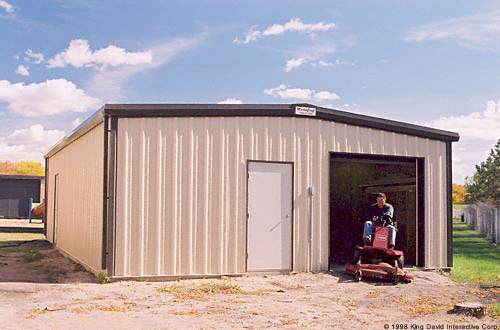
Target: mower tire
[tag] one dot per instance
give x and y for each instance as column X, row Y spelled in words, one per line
column 401, row 262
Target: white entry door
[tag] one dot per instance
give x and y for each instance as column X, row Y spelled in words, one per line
column 269, row 216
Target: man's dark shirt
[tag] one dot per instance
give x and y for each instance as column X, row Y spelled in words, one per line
column 384, row 215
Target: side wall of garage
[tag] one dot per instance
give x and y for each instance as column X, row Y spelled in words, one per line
column 181, row 188
column 75, row 198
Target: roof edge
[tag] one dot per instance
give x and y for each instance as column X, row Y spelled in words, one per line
column 284, row 110
column 21, row 177
column 387, row 124
column 241, row 110
column 95, row 119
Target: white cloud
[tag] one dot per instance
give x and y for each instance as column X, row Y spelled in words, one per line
column 285, row 92
column 294, row 25
column 22, row 70
column 79, row 54
column 298, row 62
column 478, row 131
column 54, row 96
column 324, row 96
column 230, row 101
column 37, row 58
column 109, row 82
column 294, row 63
column 483, row 125
column 475, row 31
column 29, row 143
column 6, row 6
column 77, row 122
column 334, row 63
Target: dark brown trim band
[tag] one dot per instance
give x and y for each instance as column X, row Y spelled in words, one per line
column 449, row 204
column 46, row 197
column 20, row 177
column 105, row 196
column 111, row 230
column 421, row 211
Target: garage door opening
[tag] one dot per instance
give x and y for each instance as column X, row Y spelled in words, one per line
column 354, row 182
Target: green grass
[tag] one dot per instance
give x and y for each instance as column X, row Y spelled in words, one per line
column 475, row 259
column 9, row 237
column 459, row 206
column 13, row 249
column 32, row 255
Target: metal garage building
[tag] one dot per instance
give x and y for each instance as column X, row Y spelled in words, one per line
column 143, row 190
column 15, row 194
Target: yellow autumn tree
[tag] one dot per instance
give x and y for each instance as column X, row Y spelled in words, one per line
column 7, row 167
column 29, row 168
column 459, row 192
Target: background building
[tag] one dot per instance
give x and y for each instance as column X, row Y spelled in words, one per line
column 15, row 194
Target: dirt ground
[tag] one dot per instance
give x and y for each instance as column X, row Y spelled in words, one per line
column 48, row 291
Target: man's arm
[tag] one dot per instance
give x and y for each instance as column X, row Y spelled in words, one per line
column 388, row 214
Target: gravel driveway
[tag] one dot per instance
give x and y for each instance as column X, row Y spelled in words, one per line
column 70, row 299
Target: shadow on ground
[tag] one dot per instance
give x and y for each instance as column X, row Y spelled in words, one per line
column 36, row 261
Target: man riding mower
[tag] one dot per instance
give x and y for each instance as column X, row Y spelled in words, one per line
column 378, row 258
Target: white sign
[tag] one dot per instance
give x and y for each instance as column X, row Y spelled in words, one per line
column 305, row 111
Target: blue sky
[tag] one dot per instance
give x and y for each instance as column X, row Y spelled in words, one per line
column 424, row 62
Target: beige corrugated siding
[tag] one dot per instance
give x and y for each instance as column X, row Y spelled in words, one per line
column 181, row 188
column 79, row 167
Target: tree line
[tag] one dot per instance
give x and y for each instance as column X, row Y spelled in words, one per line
column 22, row 168
column 484, row 185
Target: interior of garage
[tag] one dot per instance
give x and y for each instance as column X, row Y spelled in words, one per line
column 354, row 182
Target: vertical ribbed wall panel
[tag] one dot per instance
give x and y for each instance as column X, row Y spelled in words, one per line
column 79, row 167
column 181, row 202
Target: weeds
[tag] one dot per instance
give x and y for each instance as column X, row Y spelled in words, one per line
column 39, row 311
column 182, row 292
column 32, row 255
column 493, row 310
column 426, row 305
column 189, row 312
column 55, row 271
column 112, row 308
column 289, row 322
column 103, row 278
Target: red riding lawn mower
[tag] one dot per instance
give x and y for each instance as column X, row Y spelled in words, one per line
column 378, row 260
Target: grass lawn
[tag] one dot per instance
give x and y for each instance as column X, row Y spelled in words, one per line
column 459, row 206
column 475, row 259
column 9, row 237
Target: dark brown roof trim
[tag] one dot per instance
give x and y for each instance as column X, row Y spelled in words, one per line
column 20, row 177
column 273, row 110
column 251, row 110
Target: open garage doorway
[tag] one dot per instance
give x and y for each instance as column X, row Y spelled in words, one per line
column 355, row 180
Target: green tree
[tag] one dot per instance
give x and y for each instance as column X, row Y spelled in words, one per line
column 484, row 185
